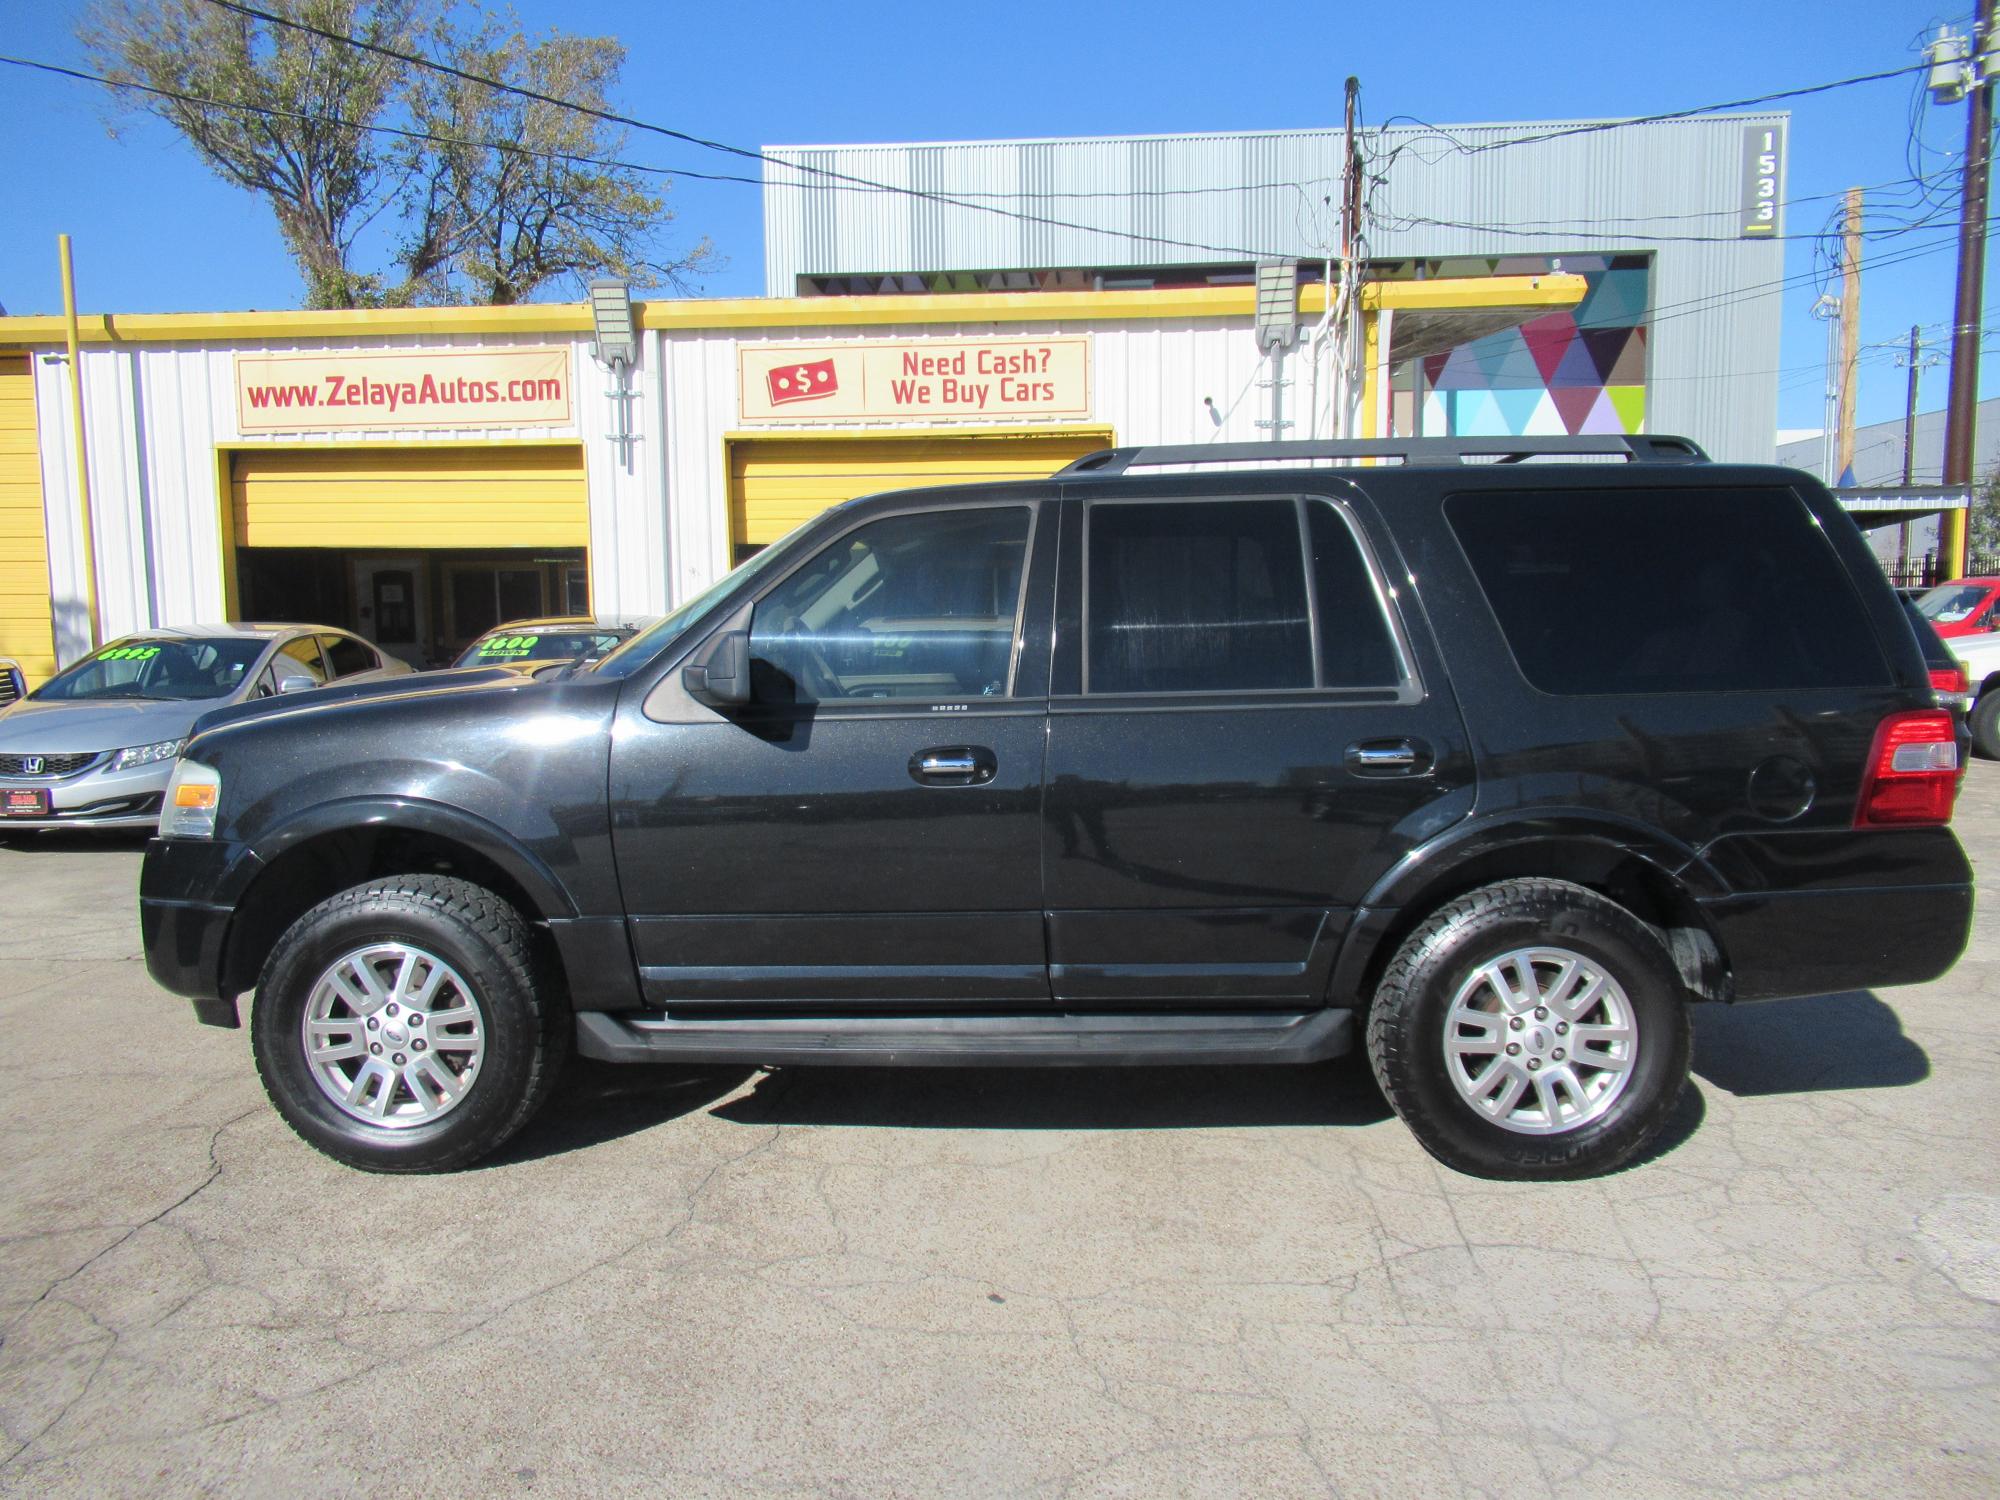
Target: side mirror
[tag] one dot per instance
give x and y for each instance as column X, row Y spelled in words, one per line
column 719, row 675
column 297, row 682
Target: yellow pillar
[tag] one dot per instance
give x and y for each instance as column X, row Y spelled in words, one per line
column 82, row 448
column 1951, row 545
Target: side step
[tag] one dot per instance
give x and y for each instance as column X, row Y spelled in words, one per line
column 1051, row 1040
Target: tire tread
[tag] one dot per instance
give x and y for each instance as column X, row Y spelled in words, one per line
column 496, row 922
column 1387, row 1027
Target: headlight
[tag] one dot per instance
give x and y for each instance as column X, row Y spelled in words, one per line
column 193, row 794
column 146, row 755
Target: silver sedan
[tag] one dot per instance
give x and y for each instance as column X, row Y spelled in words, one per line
column 94, row 745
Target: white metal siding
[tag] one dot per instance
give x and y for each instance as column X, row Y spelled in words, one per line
column 155, row 414
column 1639, row 188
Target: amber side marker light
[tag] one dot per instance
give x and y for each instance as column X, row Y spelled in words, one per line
column 1911, row 777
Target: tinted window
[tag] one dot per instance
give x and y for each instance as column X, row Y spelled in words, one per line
column 1207, row 596
column 1355, row 646
column 920, row 606
column 1666, row 591
column 346, row 656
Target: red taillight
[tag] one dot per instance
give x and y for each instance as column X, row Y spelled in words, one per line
column 1950, row 680
column 1912, row 772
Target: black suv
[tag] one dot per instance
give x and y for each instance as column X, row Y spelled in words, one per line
column 1499, row 764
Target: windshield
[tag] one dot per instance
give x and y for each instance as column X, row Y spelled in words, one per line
column 636, row 652
column 142, row 667
column 1949, row 603
column 538, row 645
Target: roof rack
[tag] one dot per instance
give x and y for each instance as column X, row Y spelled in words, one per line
column 1633, row 448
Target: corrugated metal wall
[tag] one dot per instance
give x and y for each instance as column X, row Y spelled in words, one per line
column 1151, row 382
column 156, row 416
column 1670, row 189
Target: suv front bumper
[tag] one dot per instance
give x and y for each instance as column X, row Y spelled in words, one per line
column 187, row 897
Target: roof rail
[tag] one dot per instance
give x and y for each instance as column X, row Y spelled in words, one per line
column 1638, row 448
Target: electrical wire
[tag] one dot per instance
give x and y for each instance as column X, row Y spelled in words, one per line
column 632, row 122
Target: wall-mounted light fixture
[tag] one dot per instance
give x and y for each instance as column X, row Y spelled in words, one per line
column 617, row 347
column 611, row 314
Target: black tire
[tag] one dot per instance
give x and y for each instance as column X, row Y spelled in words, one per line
column 523, row 1020
column 1407, row 1023
column 1984, row 722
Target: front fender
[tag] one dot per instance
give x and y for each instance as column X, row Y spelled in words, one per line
column 415, row 814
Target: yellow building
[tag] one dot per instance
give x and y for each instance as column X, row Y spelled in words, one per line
column 420, row 475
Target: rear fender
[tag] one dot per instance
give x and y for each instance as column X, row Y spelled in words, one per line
column 1585, row 847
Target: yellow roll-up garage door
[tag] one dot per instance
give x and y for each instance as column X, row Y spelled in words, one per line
column 494, row 495
column 777, row 482
column 25, row 633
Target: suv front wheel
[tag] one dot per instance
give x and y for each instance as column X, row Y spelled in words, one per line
column 399, row 1027
column 1531, row 1030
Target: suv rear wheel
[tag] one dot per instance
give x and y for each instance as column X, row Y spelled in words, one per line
column 398, row 1026
column 1531, row 1029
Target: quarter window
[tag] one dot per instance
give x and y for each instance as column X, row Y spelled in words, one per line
column 923, row 606
column 1667, row 590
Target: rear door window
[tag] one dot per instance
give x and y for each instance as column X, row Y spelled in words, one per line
column 1201, row 596
column 301, row 655
column 347, row 656
column 1667, row 590
column 1209, row 596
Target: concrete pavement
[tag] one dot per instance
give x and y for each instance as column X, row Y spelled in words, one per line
column 1203, row 1282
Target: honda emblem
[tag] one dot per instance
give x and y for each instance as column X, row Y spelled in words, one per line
column 33, row 765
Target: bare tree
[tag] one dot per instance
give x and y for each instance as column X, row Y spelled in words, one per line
column 492, row 224
column 303, row 122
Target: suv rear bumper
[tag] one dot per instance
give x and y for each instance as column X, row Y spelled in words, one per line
column 187, row 891
column 1823, row 942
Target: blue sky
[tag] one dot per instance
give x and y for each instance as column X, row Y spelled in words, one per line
column 155, row 232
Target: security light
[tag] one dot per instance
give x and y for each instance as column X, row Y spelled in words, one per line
column 611, row 312
column 1277, row 303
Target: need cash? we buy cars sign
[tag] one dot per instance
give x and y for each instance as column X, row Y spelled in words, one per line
column 930, row 378
column 316, row 392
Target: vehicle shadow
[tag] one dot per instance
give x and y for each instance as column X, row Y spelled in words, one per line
column 1842, row 1041
column 1846, row 1041
column 596, row 1102
column 74, row 840
column 1340, row 1092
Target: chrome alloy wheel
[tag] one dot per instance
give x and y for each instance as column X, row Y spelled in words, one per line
column 1540, row 1041
column 392, row 1035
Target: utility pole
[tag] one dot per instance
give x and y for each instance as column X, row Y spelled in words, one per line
column 1968, row 308
column 1916, row 361
column 1850, row 330
column 1826, row 309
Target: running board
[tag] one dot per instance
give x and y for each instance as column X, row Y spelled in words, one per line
column 1052, row 1040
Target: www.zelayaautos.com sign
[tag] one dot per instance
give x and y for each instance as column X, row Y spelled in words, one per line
column 390, row 388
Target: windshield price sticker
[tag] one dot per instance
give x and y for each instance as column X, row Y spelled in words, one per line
column 130, row 653
column 510, row 645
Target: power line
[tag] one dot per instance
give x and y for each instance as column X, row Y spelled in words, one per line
column 966, row 202
column 632, row 122
column 1598, row 126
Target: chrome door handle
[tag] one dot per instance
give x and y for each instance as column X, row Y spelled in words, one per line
column 954, row 765
column 1390, row 758
column 961, row 763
